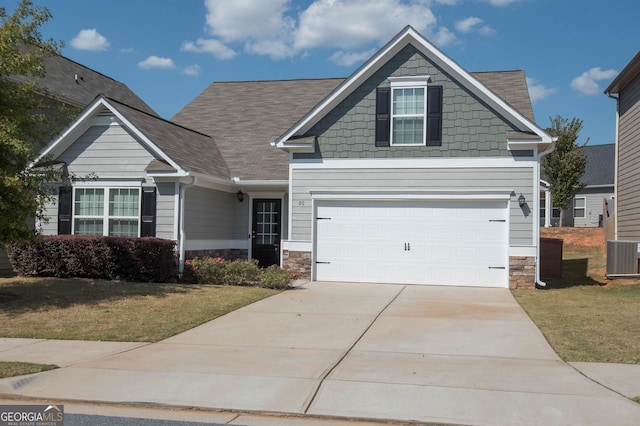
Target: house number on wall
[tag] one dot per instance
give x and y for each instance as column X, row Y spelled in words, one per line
column 301, row 203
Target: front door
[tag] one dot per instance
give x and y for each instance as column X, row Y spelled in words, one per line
column 265, row 234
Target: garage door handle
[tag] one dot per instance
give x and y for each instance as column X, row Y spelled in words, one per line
column 325, row 263
column 497, row 220
column 497, row 267
column 323, row 218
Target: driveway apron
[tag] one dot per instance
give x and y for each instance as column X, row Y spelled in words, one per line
column 372, row 351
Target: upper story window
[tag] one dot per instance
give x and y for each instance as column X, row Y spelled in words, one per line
column 408, row 110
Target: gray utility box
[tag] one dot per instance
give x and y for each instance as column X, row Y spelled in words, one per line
column 622, row 257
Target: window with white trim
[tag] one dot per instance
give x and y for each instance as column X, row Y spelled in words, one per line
column 408, row 107
column 579, row 207
column 107, row 211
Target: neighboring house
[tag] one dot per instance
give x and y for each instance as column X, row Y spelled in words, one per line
column 586, row 209
column 411, row 170
column 627, row 88
column 74, row 86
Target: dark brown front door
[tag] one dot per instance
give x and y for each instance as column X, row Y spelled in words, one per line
column 265, row 235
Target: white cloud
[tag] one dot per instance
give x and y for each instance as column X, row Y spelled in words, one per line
column 447, row 2
column 444, row 37
column 156, row 62
column 348, row 59
column 90, row 39
column 487, row 31
column 587, row 82
column 332, row 23
column 192, row 70
column 501, row 3
column 214, row 47
column 467, row 25
column 538, row 91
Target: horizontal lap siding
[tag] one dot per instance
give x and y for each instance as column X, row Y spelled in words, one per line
column 628, row 203
column 209, row 214
column 518, row 179
column 107, row 151
column 593, row 201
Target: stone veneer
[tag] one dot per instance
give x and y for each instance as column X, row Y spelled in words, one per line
column 228, row 254
column 522, row 272
column 298, row 262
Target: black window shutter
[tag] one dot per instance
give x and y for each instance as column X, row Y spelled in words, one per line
column 434, row 116
column 64, row 210
column 148, row 216
column 383, row 116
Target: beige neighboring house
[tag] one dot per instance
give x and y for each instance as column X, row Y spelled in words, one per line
column 625, row 89
column 76, row 86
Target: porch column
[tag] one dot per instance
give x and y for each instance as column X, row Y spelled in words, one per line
column 548, row 208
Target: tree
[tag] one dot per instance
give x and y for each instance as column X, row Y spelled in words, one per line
column 26, row 121
column 564, row 167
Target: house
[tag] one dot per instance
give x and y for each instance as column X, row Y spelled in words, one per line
column 586, row 209
column 411, row 170
column 625, row 89
column 74, row 86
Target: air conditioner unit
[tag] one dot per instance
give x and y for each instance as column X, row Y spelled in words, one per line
column 622, row 257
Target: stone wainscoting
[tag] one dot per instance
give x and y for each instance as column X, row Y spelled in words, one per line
column 298, row 262
column 522, row 272
column 227, row 254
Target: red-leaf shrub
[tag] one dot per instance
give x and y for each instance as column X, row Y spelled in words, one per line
column 126, row 258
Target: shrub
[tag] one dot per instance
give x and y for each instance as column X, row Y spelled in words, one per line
column 135, row 259
column 206, row 270
column 276, row 277
column 241, row 272
column 209, row 270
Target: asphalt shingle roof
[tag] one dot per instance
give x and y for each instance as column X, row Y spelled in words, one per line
column 600, row 169
column 245, row 117
column 60, row 80
column 191, row 150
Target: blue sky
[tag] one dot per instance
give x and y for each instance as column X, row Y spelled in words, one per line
column 168, row 51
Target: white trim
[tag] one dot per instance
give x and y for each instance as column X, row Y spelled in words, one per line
column 409, row 81
column 106, row 199
column 216, row 244
column 401, row 194
column 522, row 251
column 120, row 183
column 583, row 208
column 402, row 85
column 297, row 245
column 176, row 211
column 413, row 163
column 268, row 196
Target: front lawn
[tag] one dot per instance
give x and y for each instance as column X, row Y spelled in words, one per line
column 583, row 316
column 84, row 309
column 12, row 369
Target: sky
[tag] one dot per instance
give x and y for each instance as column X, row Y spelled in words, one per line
column 169, row 51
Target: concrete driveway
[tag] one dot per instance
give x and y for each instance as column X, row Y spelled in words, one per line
column 369, row 351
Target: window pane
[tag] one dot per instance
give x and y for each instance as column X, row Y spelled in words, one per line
column 579, row 202
column 88, row 226
column 408, row 131
column 89, row 202
column 123, row 227
column 123, row 202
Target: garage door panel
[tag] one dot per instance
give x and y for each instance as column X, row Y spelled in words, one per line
column 420, row 242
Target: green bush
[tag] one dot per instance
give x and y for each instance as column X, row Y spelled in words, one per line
column 132, row 259
column 209, row 270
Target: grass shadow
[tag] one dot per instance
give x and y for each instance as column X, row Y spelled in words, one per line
column 575, row 273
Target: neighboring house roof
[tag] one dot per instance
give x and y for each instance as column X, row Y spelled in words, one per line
column 177, row 149
column 78, row 85
column 244, row 117
column 600, row 168
column 409, row 36
column 631, row 71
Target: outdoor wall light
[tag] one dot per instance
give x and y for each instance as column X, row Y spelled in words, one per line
column 240, row 196
column 521, row 200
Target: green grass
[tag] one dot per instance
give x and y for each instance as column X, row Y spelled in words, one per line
column 79, row 309
column 12, row 369
column 583, row 316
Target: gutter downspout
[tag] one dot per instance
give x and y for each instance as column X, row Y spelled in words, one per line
column 539, row 281
column 615, row 172
column 183, row 189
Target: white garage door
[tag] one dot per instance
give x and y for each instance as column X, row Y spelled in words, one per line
column 418, row 242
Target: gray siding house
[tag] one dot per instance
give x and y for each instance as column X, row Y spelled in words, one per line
column 586, row 209
column 625, row 88
column 411, row 170
column 74, row 86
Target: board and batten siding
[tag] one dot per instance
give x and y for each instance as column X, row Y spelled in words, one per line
column 628, row 191
column 165, row 210
column 107, row 151
column 519, row 179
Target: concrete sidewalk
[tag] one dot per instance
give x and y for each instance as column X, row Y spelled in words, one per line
column 379, row 352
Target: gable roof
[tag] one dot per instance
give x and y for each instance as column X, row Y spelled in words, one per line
column 178, row 150
column 409, row 36
column 600, row 168
column 78, row 85
column 245, row 117
column 511, row 87
column 630, row 71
